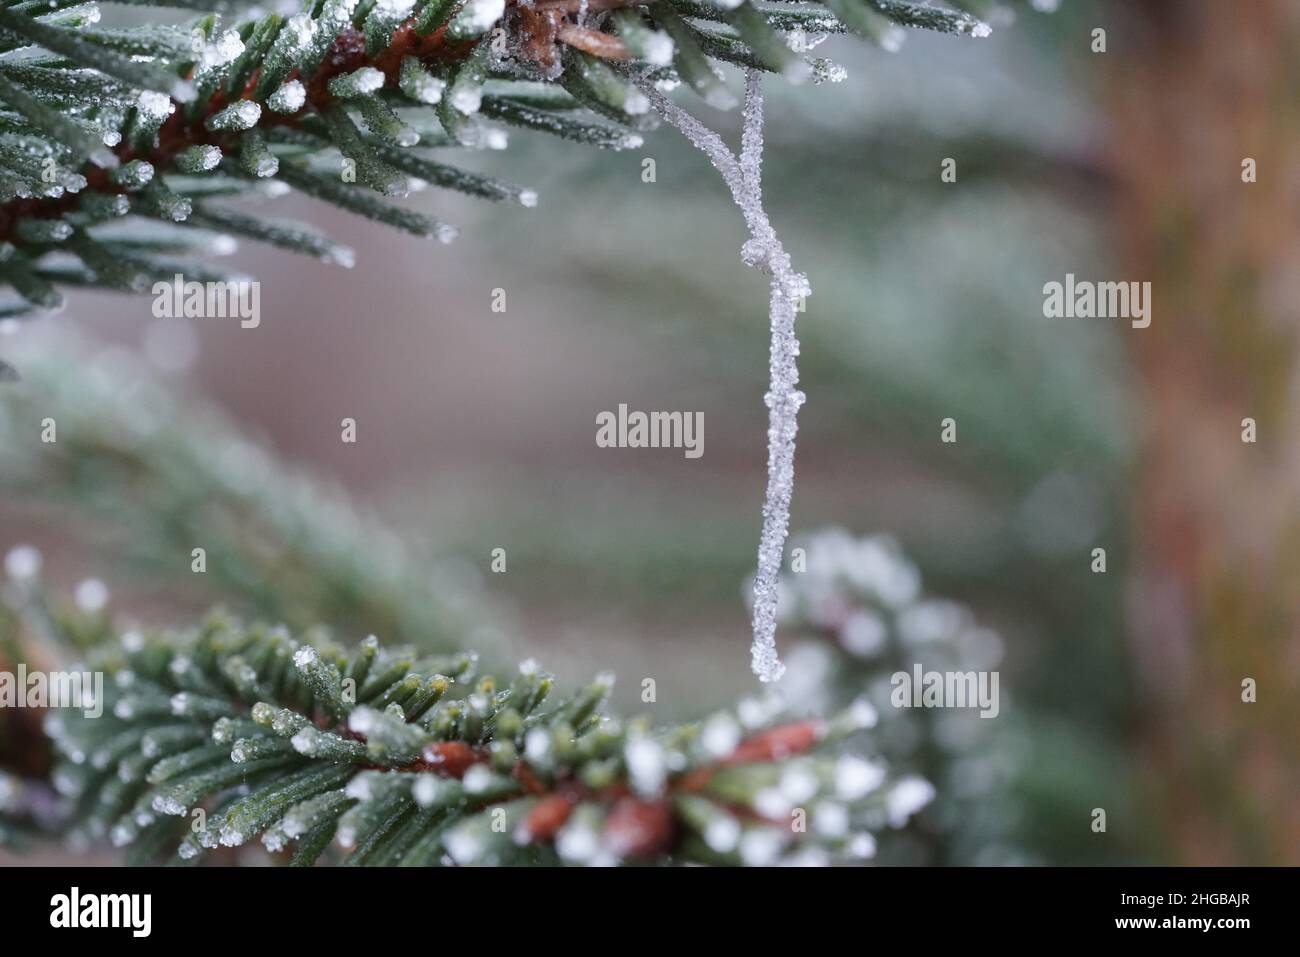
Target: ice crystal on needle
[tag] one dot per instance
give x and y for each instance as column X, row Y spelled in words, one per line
column 763, row 250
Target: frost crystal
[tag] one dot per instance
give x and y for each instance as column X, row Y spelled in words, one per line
column 223, row 50
column 722, row 834
column 154, row 105
column 646, row 765
column 891, row 41
column 289, row 98
column 908, row 796
column 720, row 735
column 476, row 18
column 23, row 563
column 91, row 595
column 659, row 48
column 857, row 777
column 788, row 288
column 467, row 100
column 477, row 779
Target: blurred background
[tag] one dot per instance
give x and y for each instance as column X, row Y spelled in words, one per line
column 1122, row 690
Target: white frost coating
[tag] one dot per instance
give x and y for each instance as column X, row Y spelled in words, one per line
column 289, row 98
column 636, row 104
column 222, row 50
column 892, row 39
column 659, row 48
column 368, row 79
column 362, row 720
column 765, row 252
column 647, row 766
column 91, row 595
column 23, row 562
column 155, row 105
column 426, row 790
column 577, row 842
column 720, row 735
column 477, row 16
column 981, row 29
column 537, row 745
column 247, row 113
column 908, row 796
column 477, row 779
column 342, row 256
column 831, row 820
column 302, row 29
column 863, row 713
column 305, row 741
column 862, row 846
column 467, row 100
column 760, row 848
column 166, row 804
column 722, row 834
column 857, row 777
column 798, row 784
column 463, row 847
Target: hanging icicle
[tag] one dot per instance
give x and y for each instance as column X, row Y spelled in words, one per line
column 763, row 250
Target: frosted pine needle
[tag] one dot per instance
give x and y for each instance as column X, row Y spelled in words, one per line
column 764, row 251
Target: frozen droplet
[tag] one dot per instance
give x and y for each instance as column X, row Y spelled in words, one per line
column 830, row 819
column 477, row 779
column 722, row 834
column 862, row 846
column 906, row 797
column 463, row 846
column 798, row 784
column 856, row 777
column 720, row 735
column 577, row 842
column 537, row 745
column 154, row 105
column 23, row 562
column 761, row 847
column 289, row 98
column 91, row 595
column 166, row 804
column 467, row 99
column 647, row 765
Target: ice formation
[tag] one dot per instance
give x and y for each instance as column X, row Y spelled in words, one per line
column 763, row 250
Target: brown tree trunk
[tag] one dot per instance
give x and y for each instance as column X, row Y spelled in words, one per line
column 1199, row 86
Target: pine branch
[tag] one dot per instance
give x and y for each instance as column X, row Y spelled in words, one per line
column 103, row 113
column 859, row 606
column 212, row 738
column 149, row 473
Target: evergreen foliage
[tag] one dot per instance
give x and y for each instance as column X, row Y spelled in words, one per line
column 216, row 735
column 118, row 150
column 159, row 123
